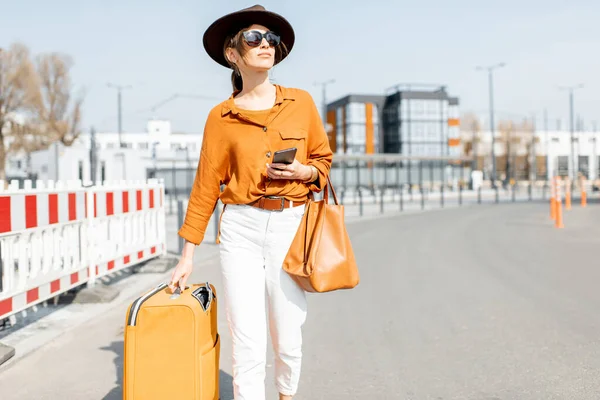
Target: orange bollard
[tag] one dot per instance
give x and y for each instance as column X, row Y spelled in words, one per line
column 559, row 217
column 568, row 194
column 553, row 198
column 583, row 193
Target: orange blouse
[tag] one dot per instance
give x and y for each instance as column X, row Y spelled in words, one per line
column 236, row 146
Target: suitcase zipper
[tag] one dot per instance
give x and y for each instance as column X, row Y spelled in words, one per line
column 138, row 303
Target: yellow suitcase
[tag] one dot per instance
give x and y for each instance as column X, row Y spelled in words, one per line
column 172, row 345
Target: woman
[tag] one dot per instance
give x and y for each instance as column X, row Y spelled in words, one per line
column 264, row 202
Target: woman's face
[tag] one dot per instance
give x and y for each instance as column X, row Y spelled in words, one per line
column 259, row 53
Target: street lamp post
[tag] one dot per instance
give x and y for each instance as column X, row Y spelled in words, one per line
column 547, row 147
column 119, row 118
column 324, row 98
column 490, row 69
column 571, row 89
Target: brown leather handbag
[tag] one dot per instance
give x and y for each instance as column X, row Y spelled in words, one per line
column 320, row 258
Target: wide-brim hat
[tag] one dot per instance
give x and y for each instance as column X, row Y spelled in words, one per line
column 217, row 32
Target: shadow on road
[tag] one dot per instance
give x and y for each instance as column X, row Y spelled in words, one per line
column 225, row 380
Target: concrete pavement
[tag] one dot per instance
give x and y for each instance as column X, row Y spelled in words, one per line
column 481, row 303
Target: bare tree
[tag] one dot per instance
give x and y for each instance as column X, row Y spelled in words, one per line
column 470, row 127
column 36, row 102
column 18, row 90
column 517, row 137
column 58, row 114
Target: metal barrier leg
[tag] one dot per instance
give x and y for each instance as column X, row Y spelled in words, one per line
column 401, row 198
column 179, row 223
column 544, row 192
column 360, row 202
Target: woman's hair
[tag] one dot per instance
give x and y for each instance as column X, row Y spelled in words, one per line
column 237, row 42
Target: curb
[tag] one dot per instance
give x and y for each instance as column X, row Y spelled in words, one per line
column 6, row 353
column 99, row 293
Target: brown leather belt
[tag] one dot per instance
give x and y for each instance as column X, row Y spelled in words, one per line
column 275, row 203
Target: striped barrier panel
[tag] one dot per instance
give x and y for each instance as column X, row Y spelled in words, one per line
column 62, row 235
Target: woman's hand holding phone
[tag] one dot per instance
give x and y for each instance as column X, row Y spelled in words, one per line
column 295, row 170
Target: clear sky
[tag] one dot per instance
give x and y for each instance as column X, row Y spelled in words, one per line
column 367, row 46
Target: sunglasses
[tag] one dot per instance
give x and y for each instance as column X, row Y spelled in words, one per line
column 254, row 38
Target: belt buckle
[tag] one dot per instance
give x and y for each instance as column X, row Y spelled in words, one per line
column 281, row 207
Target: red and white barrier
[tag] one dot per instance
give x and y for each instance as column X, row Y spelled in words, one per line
column 59, row 236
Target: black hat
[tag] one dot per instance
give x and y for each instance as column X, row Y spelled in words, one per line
column 217, row 32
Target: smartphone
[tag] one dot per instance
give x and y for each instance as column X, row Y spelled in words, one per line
column 286, row 156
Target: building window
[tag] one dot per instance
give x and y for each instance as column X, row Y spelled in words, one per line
column 563, row 166
column 143, row 145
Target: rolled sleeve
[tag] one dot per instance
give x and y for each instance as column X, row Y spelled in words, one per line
column 206, row 187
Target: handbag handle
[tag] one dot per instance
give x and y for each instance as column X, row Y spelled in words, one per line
column 329, row 185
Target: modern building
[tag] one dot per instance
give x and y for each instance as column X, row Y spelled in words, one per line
column 412, row 120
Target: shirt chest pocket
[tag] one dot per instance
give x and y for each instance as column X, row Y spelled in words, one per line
column 295, row 138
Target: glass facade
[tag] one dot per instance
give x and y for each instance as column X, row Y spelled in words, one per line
column 417, row 123
column 424, row 127
column 356, row 128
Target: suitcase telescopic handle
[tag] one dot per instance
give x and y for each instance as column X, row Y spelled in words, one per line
column 177, row 293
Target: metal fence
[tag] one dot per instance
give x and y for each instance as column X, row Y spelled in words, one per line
column 368, row 176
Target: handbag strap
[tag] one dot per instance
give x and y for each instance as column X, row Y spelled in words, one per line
column 328, row 186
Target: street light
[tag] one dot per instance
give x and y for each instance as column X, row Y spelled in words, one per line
column 490, row 69
column 571, row 89
column 119, row 121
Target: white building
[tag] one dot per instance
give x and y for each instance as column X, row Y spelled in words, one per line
column 552, row 149
column 141, row 152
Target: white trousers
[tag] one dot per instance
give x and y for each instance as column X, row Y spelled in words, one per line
column 254, row 243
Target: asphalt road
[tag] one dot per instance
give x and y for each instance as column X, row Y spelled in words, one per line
column 486, row 302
